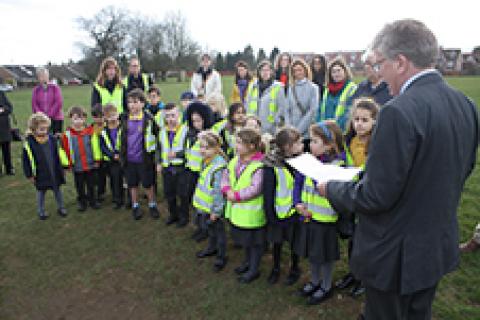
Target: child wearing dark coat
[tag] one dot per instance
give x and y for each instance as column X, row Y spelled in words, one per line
column 42, row 163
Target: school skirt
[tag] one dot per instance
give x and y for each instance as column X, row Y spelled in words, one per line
column 285, row 230
column 317, row 241
column 249, row 237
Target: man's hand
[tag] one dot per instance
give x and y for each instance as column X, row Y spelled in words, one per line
column 159, row 168
column 116, row 157
column 171, row 155
column 32, row 180
column 213, row 217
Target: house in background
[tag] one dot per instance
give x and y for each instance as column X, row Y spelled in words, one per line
column 450, row 61
column 7, row 77
column 352, row 58
column 24, row 75
column 66, row 75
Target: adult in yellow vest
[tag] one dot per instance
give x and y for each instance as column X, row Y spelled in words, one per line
column 337, row 95
column 265, row 99
column 135, row 78
column 108, row 88
column 243, row 79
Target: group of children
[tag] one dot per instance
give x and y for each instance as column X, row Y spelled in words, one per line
column 231, row 175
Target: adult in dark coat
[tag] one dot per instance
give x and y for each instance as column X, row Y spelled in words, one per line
column 373, row 87
column 423, row 149
column 5, row 134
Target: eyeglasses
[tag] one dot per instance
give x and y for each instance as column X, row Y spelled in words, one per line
column 376, row 66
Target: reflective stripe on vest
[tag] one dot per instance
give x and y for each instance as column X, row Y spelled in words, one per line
column 342, row 101
column 94, row 144
column 108, row 143
column 252, row 107
column 177, row 145
column 219, row 126
column 96, row 150
column 31, row 159
column 318, row 206
column 115, row 98
column 149, row 139
column 249, row 213
column 203, row 196
column 144, row 79
column 193, row 157
column 283, row 193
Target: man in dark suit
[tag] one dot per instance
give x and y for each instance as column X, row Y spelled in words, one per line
column 423, row 149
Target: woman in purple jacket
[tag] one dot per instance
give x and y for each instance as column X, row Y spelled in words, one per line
column 47, row 98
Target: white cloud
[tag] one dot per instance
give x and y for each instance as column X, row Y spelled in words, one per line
column 39, row 31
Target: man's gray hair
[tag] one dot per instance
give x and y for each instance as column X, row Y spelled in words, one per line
column 410, row 38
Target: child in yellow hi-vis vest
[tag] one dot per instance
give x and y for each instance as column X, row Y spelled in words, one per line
column 317, row 236
column 357, row 139
column 242, row 186
column 208, row 198
column 43, row 162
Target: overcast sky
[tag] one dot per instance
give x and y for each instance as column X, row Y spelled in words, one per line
column 34, row 32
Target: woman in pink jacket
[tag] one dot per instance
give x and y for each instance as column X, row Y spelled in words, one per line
column 47, row 98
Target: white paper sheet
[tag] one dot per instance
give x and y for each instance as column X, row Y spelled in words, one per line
column 311, row 167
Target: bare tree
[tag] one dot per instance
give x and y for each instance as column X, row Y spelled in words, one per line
column 108, row 29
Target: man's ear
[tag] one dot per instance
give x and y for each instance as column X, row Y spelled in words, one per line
column 402, row 64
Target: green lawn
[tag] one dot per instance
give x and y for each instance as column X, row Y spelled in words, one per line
column 104, row 265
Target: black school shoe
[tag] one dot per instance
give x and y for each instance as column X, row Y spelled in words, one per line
column 171, row 220
column 154, row 212
column 206, row 253
column 248, row 278
column 94, row 205
column 118, row 206
column 62, row 213
column 274, row 276
column 319, row 296
column 137, row 213
column 43, row 216
column 82, row 206
column 219, row 264
column 182, row 223
column 241, row 269
column 308, row 289
column 347, row 281
column 357, row 290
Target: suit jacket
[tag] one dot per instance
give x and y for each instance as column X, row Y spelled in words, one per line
column 423, row 149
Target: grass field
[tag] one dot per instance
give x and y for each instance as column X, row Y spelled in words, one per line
column 103, row 265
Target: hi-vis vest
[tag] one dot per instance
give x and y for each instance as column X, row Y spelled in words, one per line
column 109, row 145
column 203, row 196
column 159, row 118
column 284, row 193
column 95, row 148
column 245, row 214
column 347, row 92
column 33, row 163
column 229, row 137
column 144, row 80
column 177, row 145
column 193, row 158
column 252, row 107
column 319, row 206
column 115, row 98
